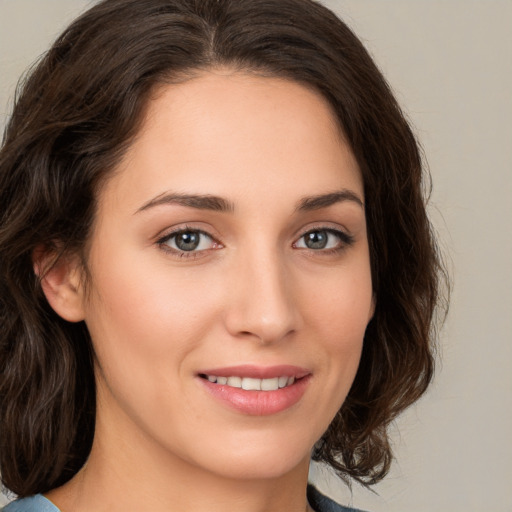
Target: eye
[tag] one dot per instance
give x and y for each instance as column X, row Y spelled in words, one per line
column 323, row 239
column 188, row 240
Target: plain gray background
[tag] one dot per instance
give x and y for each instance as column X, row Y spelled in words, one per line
column 450, row 64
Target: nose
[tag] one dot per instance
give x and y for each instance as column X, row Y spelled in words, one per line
column 262, row 303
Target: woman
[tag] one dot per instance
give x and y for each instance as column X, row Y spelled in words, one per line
column 215, row 261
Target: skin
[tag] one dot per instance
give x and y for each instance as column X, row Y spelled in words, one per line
column 254, row 293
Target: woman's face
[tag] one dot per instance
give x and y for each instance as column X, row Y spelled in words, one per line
column 229, row 250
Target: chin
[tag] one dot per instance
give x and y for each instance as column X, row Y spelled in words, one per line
column 259, row 457
column 262, row 468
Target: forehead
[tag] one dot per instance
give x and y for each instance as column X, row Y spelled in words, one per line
column 233, row 134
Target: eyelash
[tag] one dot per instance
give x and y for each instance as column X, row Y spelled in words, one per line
column 345, row 241
column 163, row 243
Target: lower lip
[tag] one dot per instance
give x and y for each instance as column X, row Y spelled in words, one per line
column 258, row 403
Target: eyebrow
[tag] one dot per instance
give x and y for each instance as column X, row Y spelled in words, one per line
column 324, row 200
column 219, row 204
column 198, row 201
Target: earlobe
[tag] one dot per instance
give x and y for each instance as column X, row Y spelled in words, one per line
column 60, row 278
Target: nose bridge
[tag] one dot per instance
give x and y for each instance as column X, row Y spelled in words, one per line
column 263, row 304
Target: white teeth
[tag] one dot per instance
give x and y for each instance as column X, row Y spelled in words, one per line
column 251, row 384
column 270, row 384
column 283, row 381
column 234, row 382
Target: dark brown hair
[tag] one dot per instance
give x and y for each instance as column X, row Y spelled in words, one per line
column 74, row 116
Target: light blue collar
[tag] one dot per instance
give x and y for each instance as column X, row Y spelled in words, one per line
column 37, row 503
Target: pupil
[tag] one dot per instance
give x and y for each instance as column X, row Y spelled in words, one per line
column 187, row 241
column 316, row 240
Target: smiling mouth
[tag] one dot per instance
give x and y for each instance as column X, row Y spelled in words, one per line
column 250, row 383
column 257, row 390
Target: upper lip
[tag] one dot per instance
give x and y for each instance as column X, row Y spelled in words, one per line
column 258, row 372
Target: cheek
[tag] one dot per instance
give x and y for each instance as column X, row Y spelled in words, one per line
column 143, row 313
column 338, row 312
column 145, row 321
column 340, row 304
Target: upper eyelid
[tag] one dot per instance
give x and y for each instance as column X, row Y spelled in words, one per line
column 168, row 233
column 346, row 239
column 325, row 227
column 322, row 228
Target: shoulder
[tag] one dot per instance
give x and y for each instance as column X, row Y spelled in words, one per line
column 37, row 503
column 321, row 503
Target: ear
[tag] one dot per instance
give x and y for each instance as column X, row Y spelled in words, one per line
column 61, row 281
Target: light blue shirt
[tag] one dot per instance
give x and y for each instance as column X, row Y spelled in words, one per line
column 39, row 503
